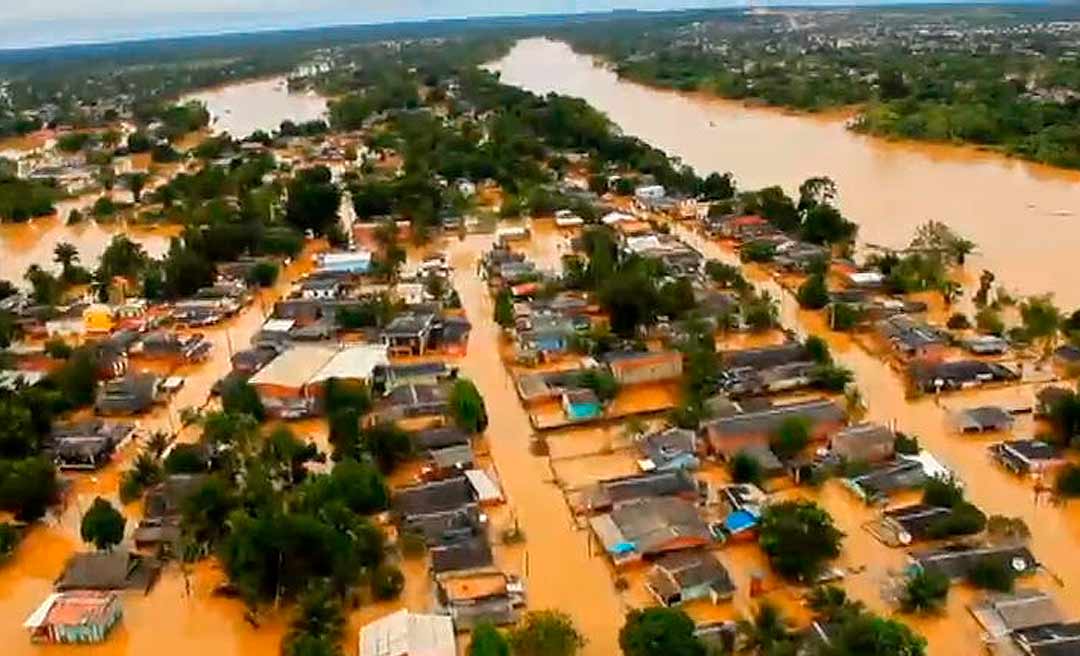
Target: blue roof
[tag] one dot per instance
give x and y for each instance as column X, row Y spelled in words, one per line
column 740, row 520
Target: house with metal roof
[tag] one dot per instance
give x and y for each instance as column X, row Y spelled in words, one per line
column 650, row 527
column 958, row 561
column 76, row 617
column 1030, row 456
column 684, row 576
column 726, row 436
column 405, row 633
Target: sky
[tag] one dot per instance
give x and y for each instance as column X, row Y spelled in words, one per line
column 36, row 23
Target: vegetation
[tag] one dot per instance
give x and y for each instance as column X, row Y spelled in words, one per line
column 488, row 641
column 546, row 633
column 659, row 632
column 924, row 592
column 467, row 406
column 799, row 538
column 102, row 525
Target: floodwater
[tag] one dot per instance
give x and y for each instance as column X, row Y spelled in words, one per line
column 1025, row 218
column 1055, row 530
column 245, row 107
column 33, row 241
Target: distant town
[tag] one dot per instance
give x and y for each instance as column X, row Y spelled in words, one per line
column 458, row 368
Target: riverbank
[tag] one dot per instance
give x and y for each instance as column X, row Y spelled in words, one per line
column 1008, row 207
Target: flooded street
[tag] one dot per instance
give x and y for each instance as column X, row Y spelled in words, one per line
column 243, row 108
column 1025, row 218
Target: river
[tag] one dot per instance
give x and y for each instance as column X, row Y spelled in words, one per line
column 1024, row 217
column 245, row 107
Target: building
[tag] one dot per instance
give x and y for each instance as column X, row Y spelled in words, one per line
column 651, row 485
column 108, row 570
column 670, row 449
column 431, row 498
column 581, row 405
column 907, row 524
column 409, row 333
column 76, row 617
column 912, row 339
column 931, row 377
column 1029, row 456
column 688, row 575
column 354, row 262
column 471, row 599
column 414, row 400
column 409, row 634
column 631, row 368
column 983, row 419
column 132, row 394
column 957, row 562
column 1057, row 639
column 291, row 384
column 727, row 436
column 870, row 443
column 650, row 528
column 468, row 555
column 172, row 346
column 1001, row 614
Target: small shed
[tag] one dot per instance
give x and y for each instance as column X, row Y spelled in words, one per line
column 581, row 405
column 76, row 617
column 983, row 419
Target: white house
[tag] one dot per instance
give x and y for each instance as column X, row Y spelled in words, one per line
column 409, row 634
column 650, row 192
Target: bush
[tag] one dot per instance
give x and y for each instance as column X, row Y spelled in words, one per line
column 387, row 582
column 965, row 519
column 601, row 382
column 757, row 251
column 791, row 438
column 831, row 377
column 958, row 321
column 798, row 537
column 467, row 407
column 102, row 525
column 925, row 592
column 942, row 492
column 995, row 575
column 818, row 349
column 58, row 349
column 9, row 539
column 906, row 444
column 186, row 459
column 845, row 317
column 745, row 469
column 263, row 274
column 813, row 294
column 1067, row 483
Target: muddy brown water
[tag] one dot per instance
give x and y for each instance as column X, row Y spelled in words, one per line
column 243, row 108
column 1024, row 217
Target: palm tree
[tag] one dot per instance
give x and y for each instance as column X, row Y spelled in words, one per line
column 65, row 254
column 136, row 182
column 767, row 634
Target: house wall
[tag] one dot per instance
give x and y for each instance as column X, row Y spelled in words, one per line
column 647, row 371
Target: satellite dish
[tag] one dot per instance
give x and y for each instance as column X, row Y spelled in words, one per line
column 1019, row 564
column 904, row 537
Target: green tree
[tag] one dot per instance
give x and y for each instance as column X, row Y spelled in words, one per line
column 27, row 487
column 791, row 438
column 659, row 632
column 925, row 592
column 186, row 459
column 238, row 397
column 66, row 255
column 766, row 634
column 319, row 625
column 601, row 382
column 869, row 635
column 546, row 633
column 387, row 582
column 387, row 444
column 467, row 406
column 102, row 525
column 136, row 182
column 313, row 200
column 1041, row 320
column 798, row 537
column 488, row 641
column 992, row 574
column 504, row 309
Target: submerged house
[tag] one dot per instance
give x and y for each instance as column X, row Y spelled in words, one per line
column 957, row 562
column 912, row 339
column 291, row 384
column 688, row 575
column 907, row 524
column 626, row 489
column 470, row 599
column 108, row 570
column 669, row 449
column 76, row 617
column 581, row 405
column 629, row 368
column 870, row 443
column 409, row 333
column 983, row 419
column 132, row 394
column 727, row 436
column 469, row 555
column 651, row 527
column 1001, row 614
column 405, row 633
column 929, row 377
column 1030, row 456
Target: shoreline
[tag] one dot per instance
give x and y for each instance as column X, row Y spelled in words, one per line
column 840, row 114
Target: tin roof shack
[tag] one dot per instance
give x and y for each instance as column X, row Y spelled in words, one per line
column 447, row 462
column 727, row 436
column 670, row 449
column 740, row 228
column 291, row 384
column 159, row 529
column 613, row 492
column 983, row 419
column 409, row 333
column 471, row 599
column 1000, row 614
column 165, row 345
column 87, row 445
column 469, row 555
column 651, row 527
column 680, row 577
column 76, row 617
column 876, row 485
column 108, row 570
column 413, row 400
column 869, row 443
column 958, row 561
column 632, row 368
column 446, row 527
column 426, row 373
column 581, row 405
column 911, row 339
column 439, row 438
column 409, row 634
column 907, row 524
column 1023, row 457
column 431, row 498
column 132, row 394
column 931, row 377
column 986, row 345
column 1057, row 639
